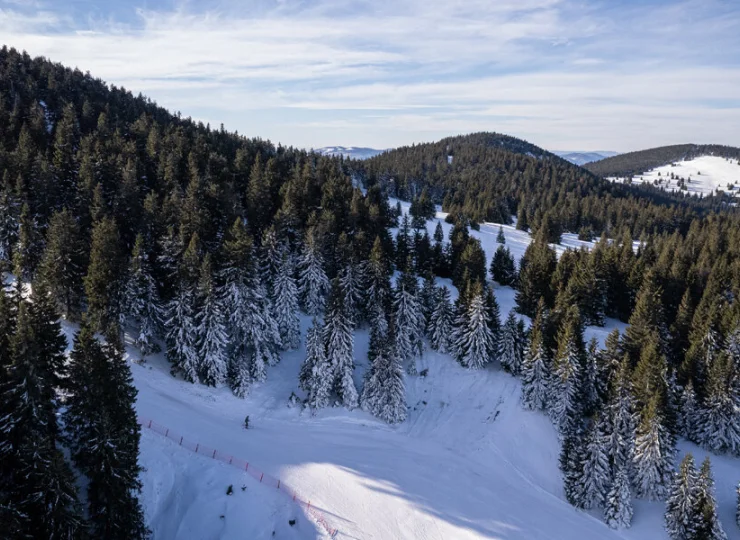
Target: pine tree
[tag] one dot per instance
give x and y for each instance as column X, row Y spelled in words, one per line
column 351, row 280
column 211, row 340
column 594, row 481
column 313, row 283
column 62, row 266
column 274, row 253
column 565, row 392
column 589, row 380
column 285, row 304
column 653, row 456
column 8, row 228
column 408, row 321
column 572, row 454
column 104, row 279
column 316, row 373
column 718, row 418
column 377, row 274
column 440, row 323
column 383, row 394
column 647, row 321
column 500, row 238
column 618, row 503
column 141, row 299
column 339, row 342
column 710, row 527
column 687, row 418
column 428, row 300
column 477, row 340
column 503, row 267
column 681, row 518
column 621, row 417
column 511, row 348
column 536, row 365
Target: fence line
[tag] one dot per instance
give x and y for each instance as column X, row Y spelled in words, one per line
column 242, row 465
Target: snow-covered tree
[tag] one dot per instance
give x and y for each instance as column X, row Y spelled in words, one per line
column 719, row 415
column 682, row 521
column 351, row 279
column 313, row 283
column 428, row 300
column 477, row 341
column 440, row 323
column 285, row 305
column 653, row 456
column 384, row 394
column 8, row 227
column 511, row 346
column 273, row 256
column 618, row 503
column 536, row 366
column 141, row 299
column 710, row 527
column 687, row 417
column 180, row 328
column 621, row 418
column 408, row 321
column 339, row 341
column 565, row 396
column 594, row 481
column 210, row 329
column 316, row 376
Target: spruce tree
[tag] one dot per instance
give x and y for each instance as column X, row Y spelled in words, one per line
column 653, row 455
column 383, row 394
column 503, row 267
column 408, row 321
column 511, row 347
column 339, row 342
column 440, row 323
column 688, row 413
column 682, row 519
column 500, row 238
column 710, row 527
column 313, row 283
column 647, row 320
column 104, row 279
column 594, row 481
column 536, row 269
column 536, row 365
column 718, row 418
column 141, row 299
column 316, row 373
column 477, row 338
column 285, row 304
column 621, row 417
column 618, row 503
column 565, row 390
column 180, row 317
column 62, row 265
column 210, row 331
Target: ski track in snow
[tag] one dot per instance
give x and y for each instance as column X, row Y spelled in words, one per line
column 469, row 462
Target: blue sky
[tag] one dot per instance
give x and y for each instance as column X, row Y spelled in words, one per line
column 564, row 74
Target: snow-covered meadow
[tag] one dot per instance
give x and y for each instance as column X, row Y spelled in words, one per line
column 704, row 175
column 468, row 463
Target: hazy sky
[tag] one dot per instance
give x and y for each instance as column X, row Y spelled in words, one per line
column 566, row 75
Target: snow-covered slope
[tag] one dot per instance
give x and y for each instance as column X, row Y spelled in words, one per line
column 702, row 175
column 354, row 152
column 581, row 158
column 469, row 463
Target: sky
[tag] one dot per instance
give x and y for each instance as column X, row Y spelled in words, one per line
column 564, row 74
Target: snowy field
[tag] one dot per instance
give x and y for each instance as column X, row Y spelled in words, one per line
column 468, row 463
column 703, row 175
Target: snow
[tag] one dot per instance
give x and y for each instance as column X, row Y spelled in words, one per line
column 579, row 157
column 716, row 173
column 354, row 152
column 468, row 463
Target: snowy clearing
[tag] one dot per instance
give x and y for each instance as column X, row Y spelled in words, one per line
column 469, row 462
column 703, row 175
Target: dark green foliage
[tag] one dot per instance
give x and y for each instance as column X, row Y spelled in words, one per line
column 503, row 268
column 536, row 269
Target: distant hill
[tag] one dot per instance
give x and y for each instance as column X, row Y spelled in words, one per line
column 354, row 152
column 636, row 163
column 581, row 158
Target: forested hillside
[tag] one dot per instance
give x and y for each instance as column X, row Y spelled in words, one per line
column 116, row 214
column 490, row 177
column 634, row 163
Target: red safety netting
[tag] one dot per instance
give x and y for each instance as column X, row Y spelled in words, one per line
column 243, row 465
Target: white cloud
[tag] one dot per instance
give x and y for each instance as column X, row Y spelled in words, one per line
column 388, row 72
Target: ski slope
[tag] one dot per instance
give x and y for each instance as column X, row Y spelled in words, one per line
column 469, row 462
column 703, row 175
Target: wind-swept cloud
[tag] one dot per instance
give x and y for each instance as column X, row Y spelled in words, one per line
column 382, row 73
